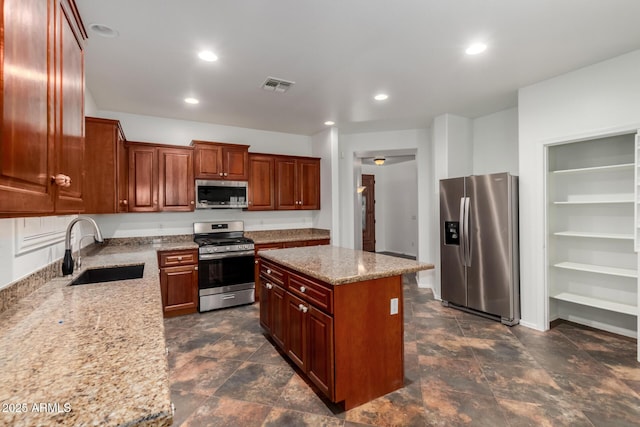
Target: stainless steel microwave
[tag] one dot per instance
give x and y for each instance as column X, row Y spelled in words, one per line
column 221, row 194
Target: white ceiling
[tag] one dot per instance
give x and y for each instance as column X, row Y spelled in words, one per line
column 340, row 53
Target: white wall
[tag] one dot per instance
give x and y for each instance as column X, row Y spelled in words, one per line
column 396, row 192
column 495, row 143
column 350, row 170
column 181, row 132
column 593, row 101
column 325, row 146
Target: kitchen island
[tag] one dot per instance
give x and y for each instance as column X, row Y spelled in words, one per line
column 338, row 314
column 91, row 354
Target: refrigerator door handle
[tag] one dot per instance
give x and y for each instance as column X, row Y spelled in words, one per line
column 467, row 235
column 461, row 233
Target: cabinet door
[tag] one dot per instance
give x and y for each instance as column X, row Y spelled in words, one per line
column 176, row 179
column 122, row 171
column 208, row 161
column 278, row 319
column 179, row 288
column 27, row 144
column 101, row 165
column 143, row 178
column 308, row 184
column 235, row 163
column 261, row 182
column 320, row 360
column 266, row 311
column 297, row 341
column 286, row 176
column 69, row 111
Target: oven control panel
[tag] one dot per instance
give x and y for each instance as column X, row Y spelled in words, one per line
column 210, row 249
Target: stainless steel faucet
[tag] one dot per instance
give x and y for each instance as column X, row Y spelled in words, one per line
column 67, row 262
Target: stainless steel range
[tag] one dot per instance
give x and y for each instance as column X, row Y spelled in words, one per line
column 225, row 264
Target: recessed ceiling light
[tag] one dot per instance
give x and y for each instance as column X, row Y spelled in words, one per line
column 103, row 30
column 207, row 55
column 329, row 123
column 381, row 97
column 191, row 101
column 476, row 48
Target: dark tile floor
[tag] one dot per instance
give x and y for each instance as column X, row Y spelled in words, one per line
column 461, row 370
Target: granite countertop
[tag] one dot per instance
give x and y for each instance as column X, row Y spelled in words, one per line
column 338, row 266
column 90, row 354
column 291, row 235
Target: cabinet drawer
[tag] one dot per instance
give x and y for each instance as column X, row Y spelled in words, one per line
column 272, row 273
column 311, row 292
column 173, row 258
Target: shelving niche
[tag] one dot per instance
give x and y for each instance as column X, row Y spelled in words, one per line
column 592, row 233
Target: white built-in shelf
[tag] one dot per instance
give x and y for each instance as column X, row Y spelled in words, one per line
column 597, row 303
column 623, row 166
column 616, row 236
column 601, row 269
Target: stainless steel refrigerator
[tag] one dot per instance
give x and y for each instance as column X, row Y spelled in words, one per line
column 479, row 245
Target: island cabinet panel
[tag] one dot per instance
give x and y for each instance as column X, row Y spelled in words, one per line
column 178, row 281
column 347, row 338
column 279, row 316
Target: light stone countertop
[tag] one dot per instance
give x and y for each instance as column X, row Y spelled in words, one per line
column 287, row 235
column 90, row 354
column 338, row 266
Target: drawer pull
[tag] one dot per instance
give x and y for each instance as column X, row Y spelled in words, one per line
column 303, row 289
column 268, row 271
column 303, row 308
column 179, row 258
column 228, row 297
column 269, row 286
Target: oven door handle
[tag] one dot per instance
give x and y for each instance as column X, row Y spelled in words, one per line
column 221, row 255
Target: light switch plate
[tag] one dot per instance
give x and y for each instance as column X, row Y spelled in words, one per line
column 394, row 305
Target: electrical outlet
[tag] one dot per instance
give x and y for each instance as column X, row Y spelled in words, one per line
column 394, row 305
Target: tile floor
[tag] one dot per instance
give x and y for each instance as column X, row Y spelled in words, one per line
column 460, row 369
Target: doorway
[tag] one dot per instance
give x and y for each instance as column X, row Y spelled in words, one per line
column 368, row 213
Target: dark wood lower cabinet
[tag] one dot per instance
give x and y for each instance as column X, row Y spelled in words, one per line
column 344, row 338
column 178, row 282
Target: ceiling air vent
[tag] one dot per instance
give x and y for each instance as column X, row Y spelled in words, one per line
column 276, row 85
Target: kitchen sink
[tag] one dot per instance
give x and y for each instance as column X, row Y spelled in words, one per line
column 109, row 274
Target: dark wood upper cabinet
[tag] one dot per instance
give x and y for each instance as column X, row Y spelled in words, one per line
column 261, row 182
column 297, row 183
column 214, row 160
column 176, row 179
column 105, row 167
column 160, row 178
column 42, row 118
column 143, row 177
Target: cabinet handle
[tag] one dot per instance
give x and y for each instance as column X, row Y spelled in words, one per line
column 225, row 174
column 193, row 203
column 221, row 174
column 179, row 258
column 195, row 268
column 269, row 286
column 125, row 202
column 268, row 271
column 255, row 262
column 61, row 180
column 303, row 289
column 303, row 308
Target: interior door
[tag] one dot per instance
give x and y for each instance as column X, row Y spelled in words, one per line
column 453, row 274
column 489, row 278
column 368, row 213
